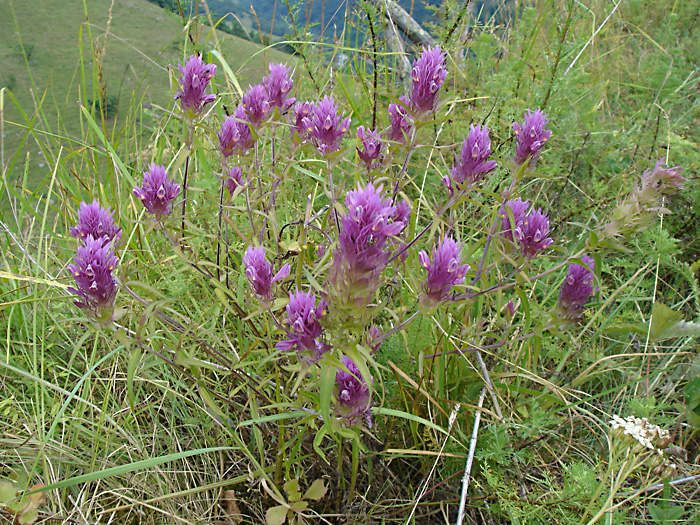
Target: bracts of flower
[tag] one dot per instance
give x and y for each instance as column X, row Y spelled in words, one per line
column 232, row 179
column 258, row 270
column 256, row 105
column 445, row 270
column 305, row 330
column 473, row 163
column 92, row 271
column 325, row 127
column 576, row 291
column 399, row 119
column 529, row 231
column 157, row 193
column 195, row 78
column 278, row 84
column 363, row 250
column 353, row 401
column 530, row 137
column 235, row 135
column 428, row 76
column 96, row 221
column 370, row 150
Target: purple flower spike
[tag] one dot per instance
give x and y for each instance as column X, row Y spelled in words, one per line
column 531, row 135
column 353, row 400
column 97, row 221
column 428, row 75
column 305, row 329
column 445, row 271
column 92, row 272
column 157, row 192
column 235, row 135
column 575, row 291
column 300, row 112
column 255, row 104
column 400, row 123
column 193, row 84
column 371, row 149
column 519, row 208
column 666, row 180
column 325, row 126
column 531, row 229
column 232, row 179
column 259, row 272
column 277, row 84
column 473, row 163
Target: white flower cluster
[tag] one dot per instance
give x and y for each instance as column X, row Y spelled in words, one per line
column 638, row 428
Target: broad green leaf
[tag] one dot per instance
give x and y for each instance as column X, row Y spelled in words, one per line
column 276, row 515
column 28, row 516
column 316, row 491
column 300, row 505
column 662, row 318
column 7, row 492
column 291, row 488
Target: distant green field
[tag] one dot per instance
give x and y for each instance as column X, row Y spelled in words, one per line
column 47, row 50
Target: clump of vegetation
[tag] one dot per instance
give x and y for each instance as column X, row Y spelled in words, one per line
column 446, row 292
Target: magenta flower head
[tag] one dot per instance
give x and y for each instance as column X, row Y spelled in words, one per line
column 531, row 136
column 428, row 76
column 400, row 123
column 97, row 221
column 92, row 272
column 232, row 179
column 666, row 181
column 193, row 85
column 255, row 104
column 445, row 270
column 259, row 272
column 370, row 151
column 325, row 126
column 157, row 192
column 300, row 112
column 235, row 135
column 576, row 291
column 473, row 163
column 353, row 402
column 305, row 329
column 278, row 84
column 531, row 229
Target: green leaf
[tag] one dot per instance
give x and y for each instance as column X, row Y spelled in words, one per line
column 300, row 505
column 276, row 515
column 692, row 401
column 327, row 382
column 662, row 319
column 28, row 516
column 7, row 492
column 316, row 491
column 291, row 487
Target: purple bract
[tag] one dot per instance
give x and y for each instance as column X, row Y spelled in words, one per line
column 371, row 150
column 193, row 85
column 233, row 178
column 92, row 272
column 576, row 291
column 97, row 221
column 473, row 162
column 428, row 75
column 235, row 135
column 531, row 229
column 353, row 400
column 278, row 84
column 531, row 136
column 666, row 180
column 325, row 127
column 157, row 193
column 255, row 104
column 259, row 272
column 400, row 123
column 300, row 112
column 305, row 329
column 445, row 270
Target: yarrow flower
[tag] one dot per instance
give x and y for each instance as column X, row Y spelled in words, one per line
column 195, row 78
column 473, row 162
column 445, row 270
column 232, row 179
column 157, row 192
column 277, row 85
column 97, row 221
column 305, row 329
column 353, row 400
column 325, row 127
column 235, row 135
column 371, row 150
column 638, row 429
column 92, row 272
column 576, row 291
column 259, row 272
column 300, row 111
column 400, row 123
column 255, row 104
column 666, row 181
column 531, row 136
column 428, row 75
column 530, row 229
